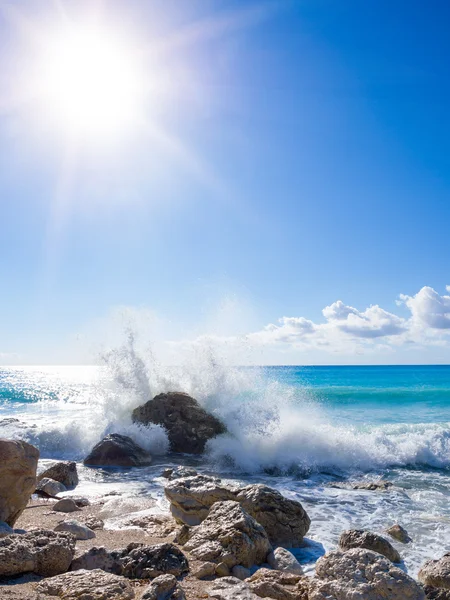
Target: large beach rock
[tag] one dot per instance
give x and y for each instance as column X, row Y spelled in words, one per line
column 436, row 573
column 77, row 529
column 51, row 487
column 192, row 497
column 64, row 472
column 164, row 587
column 18, row 464
column 136, row 561
column 86, row 585
column 358, row 538
column 399, row 533
column 188, row 425
column 42, row 552
column 285, row 520
column 361, row 574
column 117, row 450
column 432, row 593
column 266, row 583
column 229, row 535
column 283, row 560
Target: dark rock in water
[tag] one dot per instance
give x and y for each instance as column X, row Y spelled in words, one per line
column 117, row 450
column 18, row 464
column 399, row 533
column 136, row 561
column 64, row 472
column 373, row 486
column 358, row 538
column 188, row 425
column 178, row 473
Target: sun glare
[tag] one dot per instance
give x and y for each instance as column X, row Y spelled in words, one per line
column 90, row 82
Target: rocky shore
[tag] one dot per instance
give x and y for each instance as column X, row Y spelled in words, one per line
column 220, row 540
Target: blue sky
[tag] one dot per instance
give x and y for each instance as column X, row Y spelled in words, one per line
column 307, row 163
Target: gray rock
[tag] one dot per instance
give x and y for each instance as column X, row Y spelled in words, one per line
column 361, row 574
column 86, row 585
column 117, row 450
column 358, row 538
column 230, row 535
column 164, row 587
column 50, row 486
column 188, row 425
column 205, row 570
column 94, row 523
column 240, row 572
column 136, row 561
column 436, row 573
column 399, row 533
column 192, row 497
column 42, row 552
column 373, row 486
column 77, row 529
column 283, row 560
column 231, row 588
column 266, row 583
column 80, row 501
column 178, row 473
column 65, row 505
column 182, row 535
column 285, row 520
column 18, row 464
column 222, row 570
column 64, row 472
column 433, row 593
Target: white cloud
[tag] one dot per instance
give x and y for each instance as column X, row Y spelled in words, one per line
column 428, row 308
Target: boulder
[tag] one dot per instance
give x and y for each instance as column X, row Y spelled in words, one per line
column 188, row 425
column 240, row 572
column 86, row 585
column 77, row 529
column 65, row 505
column 231, row 588
column 283, row 560
column 182, row 535
column 164, row 587
column 399, row 533
column 51, row 487
column 361, row 574
column 275, row 584
column 117, row 450
column 205, row 570
column 285, row 520
column 229, row 535
column 136, row 561
column 191, row 497
column 42, row 552
column 432, row 593
column 436, row 573
column 358, row 538
column 64, row 472
column 18, row 464
column 222, row 570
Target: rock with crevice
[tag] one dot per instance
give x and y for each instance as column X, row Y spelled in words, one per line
column 65, row 472
column 116, row 450
column 285, row 521
column 359, row 538
column 189, row 426
column 229, row 535
column 436, row 573
column 164, row 587
column 18, row 464
column 86, row 585
column 42, row 552
column 361, row 574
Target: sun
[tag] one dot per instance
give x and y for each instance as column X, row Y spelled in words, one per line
column 90, row 81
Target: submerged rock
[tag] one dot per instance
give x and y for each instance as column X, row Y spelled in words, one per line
column 18, row 464
column 164, row 587
column 42, row 552
column 86, row 585
column 188, row 425
column 117, row 450
column 229, row 535
column 364, row 574
column 357, row 538
column 436, row 573
column 178, row 473
column 399, row 533
column 64, row 472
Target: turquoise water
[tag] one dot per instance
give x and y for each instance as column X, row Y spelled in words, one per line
column 304, row 430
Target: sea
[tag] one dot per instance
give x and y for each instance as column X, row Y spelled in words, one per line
column 310, row 432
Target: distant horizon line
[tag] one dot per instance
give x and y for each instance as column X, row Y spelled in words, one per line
column 245, row 366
